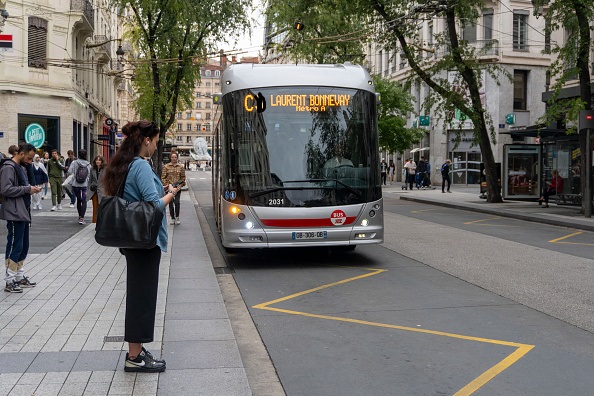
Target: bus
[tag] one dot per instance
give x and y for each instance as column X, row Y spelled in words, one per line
column 296, row 157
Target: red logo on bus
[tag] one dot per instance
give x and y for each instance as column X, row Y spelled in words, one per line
column 338, row 217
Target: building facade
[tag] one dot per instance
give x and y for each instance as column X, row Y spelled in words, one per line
column 60, row 75
column 511, row 37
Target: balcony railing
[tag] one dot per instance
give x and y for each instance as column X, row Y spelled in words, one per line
column 487, row 47
column 103, row 45
column 86, row 7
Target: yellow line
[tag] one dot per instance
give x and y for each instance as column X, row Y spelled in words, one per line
column 576, row 243
column 487, row 219
column 473, row 386
column 566, row 236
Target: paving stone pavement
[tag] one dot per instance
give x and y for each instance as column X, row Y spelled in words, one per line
column 65, row 336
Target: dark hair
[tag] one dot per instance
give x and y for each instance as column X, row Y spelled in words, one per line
column 70, row 152
column 12, row 150
column 94, row 165
column 135, row 133
column 82, row 154
column 25, row 148
column 55, row 151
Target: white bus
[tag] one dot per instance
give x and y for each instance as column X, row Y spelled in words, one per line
column 296, row 157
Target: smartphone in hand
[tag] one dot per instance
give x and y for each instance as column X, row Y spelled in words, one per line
column 177, row 183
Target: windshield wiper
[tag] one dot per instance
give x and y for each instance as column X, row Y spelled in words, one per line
column 282, row 188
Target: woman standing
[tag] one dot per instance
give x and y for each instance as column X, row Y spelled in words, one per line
column 142, row 281
column 391, row 171
column 96, row 190
column 174, row 172
column 40, row 179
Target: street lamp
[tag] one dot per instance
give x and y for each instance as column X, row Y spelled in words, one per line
column 3, row 17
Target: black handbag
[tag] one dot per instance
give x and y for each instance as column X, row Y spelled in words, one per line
column 129, row 225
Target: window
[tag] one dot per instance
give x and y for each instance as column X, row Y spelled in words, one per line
column 37, row 42
column 179, row 127
column 178, row 138
column 547, row 36
column 488, row 24
column 188, row 115
column 380, row 60
column 520, row 89
column 207, row 105
column 217, row 73
column 188, row 139
column 217, row 84
column 198, row 105
column 198, row 94
column 198, row 116
column 188, row 127
column 207, row 127
column 208, row 83
column 520, row 30
column 469, row 32
column 207, row 74
column 387, row 63
column 208, row 116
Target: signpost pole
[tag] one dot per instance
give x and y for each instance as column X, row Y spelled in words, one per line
column 588, row 175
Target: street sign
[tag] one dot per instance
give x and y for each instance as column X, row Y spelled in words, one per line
column 510, row 119
column 35, row 135
column 424, row 120
column 109, row 122
column 103, row 137
column 6, row 42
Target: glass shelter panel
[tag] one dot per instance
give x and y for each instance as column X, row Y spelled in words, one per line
column 521, row 171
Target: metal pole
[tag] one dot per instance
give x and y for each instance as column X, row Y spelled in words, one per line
column 588, row 176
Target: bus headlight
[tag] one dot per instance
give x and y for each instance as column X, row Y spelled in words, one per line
column 364, row 222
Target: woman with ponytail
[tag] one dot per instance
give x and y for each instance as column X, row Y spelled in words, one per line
column 142, row 183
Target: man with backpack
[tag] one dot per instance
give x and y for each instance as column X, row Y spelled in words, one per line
column 81, row 169
column 15, row 192
column 67, row 164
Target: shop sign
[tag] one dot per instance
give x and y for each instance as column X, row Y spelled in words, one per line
column 35, row 135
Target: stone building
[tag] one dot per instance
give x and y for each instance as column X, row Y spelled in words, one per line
column 60, row 73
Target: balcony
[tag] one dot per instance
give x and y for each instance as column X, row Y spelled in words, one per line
column 487, row 50
column 84, row 8
column 102, row 46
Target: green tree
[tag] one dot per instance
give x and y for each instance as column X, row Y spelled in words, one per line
column 391, row 125
column 572, row 60
column 395, row 25
column 171, row 39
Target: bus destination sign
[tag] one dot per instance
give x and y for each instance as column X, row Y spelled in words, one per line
column 301, row 102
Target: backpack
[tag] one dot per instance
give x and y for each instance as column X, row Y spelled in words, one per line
column 82, row 173
column 9, row 162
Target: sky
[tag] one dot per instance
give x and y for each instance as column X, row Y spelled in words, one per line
column 246, row 43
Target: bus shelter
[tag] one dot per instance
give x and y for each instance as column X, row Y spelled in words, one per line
column 526, row 167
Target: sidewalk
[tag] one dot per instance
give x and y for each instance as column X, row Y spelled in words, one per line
column 467, row 198
column 65, row 336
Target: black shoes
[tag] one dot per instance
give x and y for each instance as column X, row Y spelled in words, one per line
column 26, row 282
column 144, row 363
column 13, row 287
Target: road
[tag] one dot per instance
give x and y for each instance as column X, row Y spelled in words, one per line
column 453, row 302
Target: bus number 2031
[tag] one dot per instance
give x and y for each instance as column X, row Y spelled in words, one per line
column 276, row 202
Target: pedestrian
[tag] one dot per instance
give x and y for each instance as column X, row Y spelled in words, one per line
column 40, row 175
column 554, row 187
column 383, row 171
column 391, row 171
column 55, row 169
column 411, row 170
column 422, row 173
column 80, row 168
column 15, row 209
column 46, row 157
column 95, row 186
column 172, row 173
column 445, row 174
column 71, row 158
column 142, row 264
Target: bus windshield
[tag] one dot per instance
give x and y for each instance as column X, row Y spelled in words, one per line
column 301, row 146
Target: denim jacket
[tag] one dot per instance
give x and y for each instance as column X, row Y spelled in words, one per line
column 143, row 183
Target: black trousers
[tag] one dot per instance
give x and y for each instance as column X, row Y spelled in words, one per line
column 142, row 283
column 174, row 206
column 443, row 183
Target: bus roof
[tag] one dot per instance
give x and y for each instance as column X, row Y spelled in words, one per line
column 253, row 75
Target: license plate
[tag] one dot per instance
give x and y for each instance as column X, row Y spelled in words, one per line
column 310, row 235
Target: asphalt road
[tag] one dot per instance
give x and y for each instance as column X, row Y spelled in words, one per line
column 453, row 302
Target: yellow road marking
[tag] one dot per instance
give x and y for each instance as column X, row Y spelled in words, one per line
column 479, row 221
column 473, row 386
column 561, row 240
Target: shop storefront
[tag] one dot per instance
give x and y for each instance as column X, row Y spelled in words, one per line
column 466, row 158
column 49, row 125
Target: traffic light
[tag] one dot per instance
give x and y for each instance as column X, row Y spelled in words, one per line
column 586, row 120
